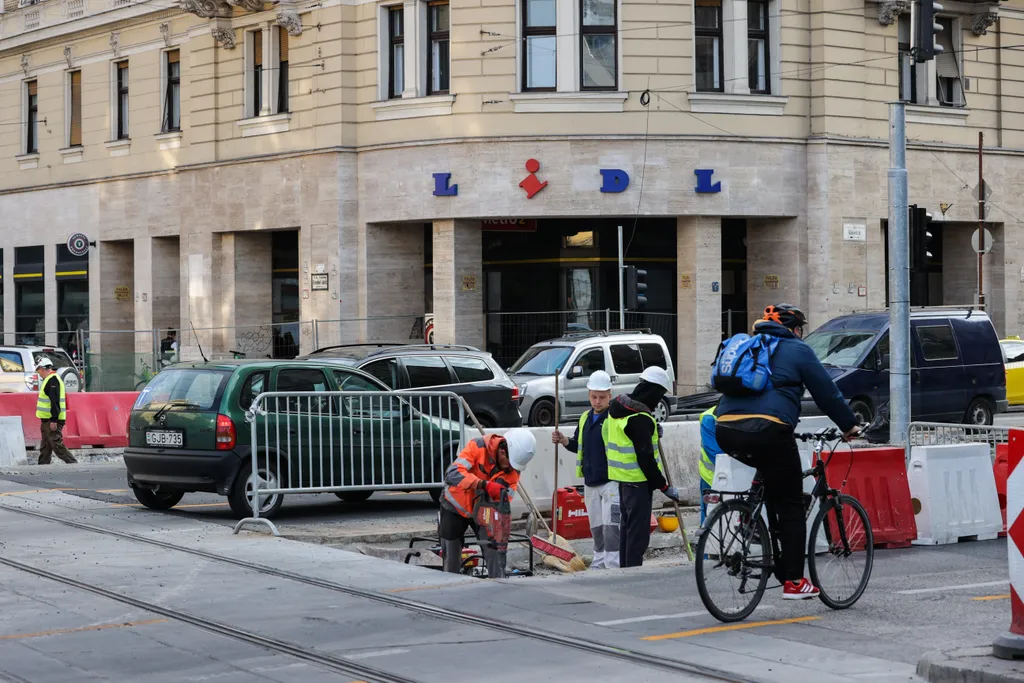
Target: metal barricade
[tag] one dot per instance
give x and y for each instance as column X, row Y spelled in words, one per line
column 945, row 434
column 338, row 441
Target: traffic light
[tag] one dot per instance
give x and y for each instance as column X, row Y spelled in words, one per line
column 920, row 238
column 636, row 286
column 925, row 28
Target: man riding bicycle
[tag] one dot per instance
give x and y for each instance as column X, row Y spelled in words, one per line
column 758, row 430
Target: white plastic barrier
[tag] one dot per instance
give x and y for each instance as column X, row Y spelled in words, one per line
column 954, row 489
column 12, row 441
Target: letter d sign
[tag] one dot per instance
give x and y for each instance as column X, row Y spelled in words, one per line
column 614, row 180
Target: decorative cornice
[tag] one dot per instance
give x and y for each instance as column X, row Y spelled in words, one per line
column 224, row 36
column 289, row 20
column 207, row 9
column 248, row 5
column 980, row 23
column 889, row 11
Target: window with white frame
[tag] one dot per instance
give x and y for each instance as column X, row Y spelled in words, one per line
column 939, row 81
column 438, row 58
column 758, row 51
column 266, row 71
column 908, row 71
column 74, row 109
column 949, row 85
column 255, row 75
column 709, row 42
column 540, row 66
column 598, row 54
column 396, row 51
column 31, row 95
column 736, row 47
column 172, row 92
column 120, row 113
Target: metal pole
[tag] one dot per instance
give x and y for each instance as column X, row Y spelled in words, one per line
column 622, row 296
column 981, row 225
column 899, row 277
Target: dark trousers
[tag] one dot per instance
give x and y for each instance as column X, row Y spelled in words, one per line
column 772, row 450
column 634, row 523
column 452, row 528
column 53, row 442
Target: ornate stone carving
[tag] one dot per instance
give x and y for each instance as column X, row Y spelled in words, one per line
column 207, row 9
column 24, row 64
column 981, row 22
column 289, row 20
column 248, row 5
column 889, row 11
column 115, row 43
column 225, row 36
column 67, row 55
column 165, row 31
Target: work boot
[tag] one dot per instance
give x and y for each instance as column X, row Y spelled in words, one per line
column 452, row 551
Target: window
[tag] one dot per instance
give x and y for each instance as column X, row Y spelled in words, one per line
column 539, row 46
column 597, row 45
column 908, row 70
column 709, row 49
column 426, row 371
column 32, row 117
column 303, row 379
column 1013, row 352
column 10, row 361
column 201, row 387
column 591, row 361
column 948, row 85
column 348, row 381
column 121, row 132
column 653, row 356
column 172, row 92
column 384, row 370
column 626, row 359
column 396, row 55
column 256, row 77
column 75, row 109
column 438, row 24
column 282, row 70
column 937, row 342
column 759, row 78
column 470, row 369
column 254, row 385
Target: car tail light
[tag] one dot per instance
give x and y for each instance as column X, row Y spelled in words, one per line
column 32, row 381
column 226, row 437
column 515, row 392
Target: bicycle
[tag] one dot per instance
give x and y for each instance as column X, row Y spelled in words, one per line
column 740, row 552
column 145, row 376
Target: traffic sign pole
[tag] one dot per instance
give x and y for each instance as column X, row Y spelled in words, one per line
column 981, row 224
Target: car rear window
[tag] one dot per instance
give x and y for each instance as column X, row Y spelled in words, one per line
column 58, row 358
column 626, row 359
column 10, row 361
column 198, row 386
column 652, row 355
column 937, row 342
column 470, row 369
column 427, row 371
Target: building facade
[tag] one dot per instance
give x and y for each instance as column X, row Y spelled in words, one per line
column 361, row 163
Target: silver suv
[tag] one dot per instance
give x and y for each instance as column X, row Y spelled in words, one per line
column 623, row 354
column 18, row 368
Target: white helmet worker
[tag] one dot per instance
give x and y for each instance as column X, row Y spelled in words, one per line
column 522, row 446
column 659, row 376
column 599, row 381
column 44, row 363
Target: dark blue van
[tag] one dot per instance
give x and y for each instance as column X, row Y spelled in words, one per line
column 956, row 375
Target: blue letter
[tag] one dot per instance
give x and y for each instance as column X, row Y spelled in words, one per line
column 704, row 185
column 441, row 188
column 614, row 180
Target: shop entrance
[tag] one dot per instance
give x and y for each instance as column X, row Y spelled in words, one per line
column 734, row 277
column 285, row 280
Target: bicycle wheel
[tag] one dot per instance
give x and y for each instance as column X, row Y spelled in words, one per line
column 734, row 560
column 846, row 563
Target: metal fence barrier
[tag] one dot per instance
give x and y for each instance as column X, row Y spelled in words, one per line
column 946, row 434
column 338, row 441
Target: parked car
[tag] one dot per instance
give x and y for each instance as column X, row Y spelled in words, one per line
column 956, row 364
column 18, row 368
column 1013, row 357
column 188, row 432
column 574, row 357
column 464, row 370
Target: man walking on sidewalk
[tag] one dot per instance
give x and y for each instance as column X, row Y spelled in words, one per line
column 51, row 409
column 601, row 495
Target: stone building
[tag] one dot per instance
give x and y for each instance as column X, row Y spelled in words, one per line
column 242, row 163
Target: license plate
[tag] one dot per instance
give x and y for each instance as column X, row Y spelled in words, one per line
column 155, row 438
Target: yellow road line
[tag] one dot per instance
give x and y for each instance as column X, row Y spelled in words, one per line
column 22, row 493
column 729, row 627
column 176, row 507
column 993, row 597
column 100, row 627
column 112, row 490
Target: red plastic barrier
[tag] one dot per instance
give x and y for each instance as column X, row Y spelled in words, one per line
column 97, row 419
column 1001, row 468
column 877, row 478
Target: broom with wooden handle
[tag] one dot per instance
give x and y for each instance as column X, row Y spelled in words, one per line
column 675, row 503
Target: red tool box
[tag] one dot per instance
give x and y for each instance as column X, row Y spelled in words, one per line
column 573, row 520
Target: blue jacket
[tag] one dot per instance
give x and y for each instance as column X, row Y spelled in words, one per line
column 794, row 366
column 595, row 460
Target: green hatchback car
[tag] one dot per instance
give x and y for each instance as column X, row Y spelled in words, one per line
column 188, row 431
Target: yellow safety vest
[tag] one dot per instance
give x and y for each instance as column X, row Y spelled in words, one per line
column 622, row 463
column 579, row 445
column 44, row 409
column 706, row 464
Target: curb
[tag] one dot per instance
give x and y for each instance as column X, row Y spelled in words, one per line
column 970, row 665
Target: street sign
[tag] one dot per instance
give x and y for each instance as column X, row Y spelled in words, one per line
column 78, row 244
column 988, row 192
column 976, row 245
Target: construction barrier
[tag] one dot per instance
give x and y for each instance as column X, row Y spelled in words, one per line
column 12, row 441
column 877, row 477
column 954, row 493
column 948, row 434
column 96, row 419
column 1001, row 469
column 1011, row 645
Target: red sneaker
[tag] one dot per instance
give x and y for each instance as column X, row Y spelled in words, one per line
column 805, row 590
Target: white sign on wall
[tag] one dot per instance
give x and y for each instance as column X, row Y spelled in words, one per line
column 855, row 232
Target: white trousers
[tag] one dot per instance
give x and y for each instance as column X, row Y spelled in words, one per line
column 603, row 509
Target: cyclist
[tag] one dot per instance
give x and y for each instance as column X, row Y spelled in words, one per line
column 759, row 430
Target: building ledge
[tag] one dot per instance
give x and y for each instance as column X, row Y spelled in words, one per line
column 265, row 125
column 169, row 140
column 28, row 161
column 727, row 103
column 413, row 107
column 119, row 148
column 937, row 116
column 572, row 102
column 72, row 155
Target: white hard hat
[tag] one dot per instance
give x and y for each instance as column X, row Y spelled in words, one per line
column 659, row 376
column 44, row 363
column 522, row 446
column 599, row 381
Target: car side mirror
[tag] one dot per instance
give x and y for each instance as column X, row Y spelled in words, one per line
column 577, row 371
column 883, row 365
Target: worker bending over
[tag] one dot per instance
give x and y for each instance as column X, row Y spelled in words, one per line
column 601, row 494
column 485, row 466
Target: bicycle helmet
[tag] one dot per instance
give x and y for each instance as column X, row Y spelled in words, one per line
column 787, row 315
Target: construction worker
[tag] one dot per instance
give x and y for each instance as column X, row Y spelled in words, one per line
column 709, row 451
column 600, row 494
column 484, row 467
column 631, row 442
column 51, row 409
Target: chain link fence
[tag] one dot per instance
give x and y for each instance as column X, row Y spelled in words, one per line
column 118, row 360
column 401, row 329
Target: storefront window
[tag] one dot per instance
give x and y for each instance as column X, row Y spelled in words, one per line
column 286, row 293
column 29, row 297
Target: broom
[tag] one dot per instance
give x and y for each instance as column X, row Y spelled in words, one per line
column 679, row 516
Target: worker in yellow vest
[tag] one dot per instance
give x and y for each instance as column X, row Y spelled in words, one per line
column 709, row 451
column 52, row 411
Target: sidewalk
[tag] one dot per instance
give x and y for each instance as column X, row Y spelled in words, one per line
column 969, row 665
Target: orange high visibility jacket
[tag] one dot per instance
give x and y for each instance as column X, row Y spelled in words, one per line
column 477, row 463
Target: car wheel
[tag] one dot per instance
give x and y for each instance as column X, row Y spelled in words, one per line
column 354, row 496
column 862, row 411
column 72, row 382
column 486, row 422
column 240, row 497
column 543, row 413
column 979, row 413
column 662, row 411
column 157, row 500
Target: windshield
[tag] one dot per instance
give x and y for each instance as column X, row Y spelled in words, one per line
column 541, row 360
column 842, row 349
column 192, row 388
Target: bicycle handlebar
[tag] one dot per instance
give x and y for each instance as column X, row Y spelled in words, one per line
column 829, row 434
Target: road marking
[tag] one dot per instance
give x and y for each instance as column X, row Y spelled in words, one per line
column 730, row 627
column 22, row 493
column 100, row 627
column 993, row 597
column 427, row 588
column 112, row 490
column 965, row 586
column 176, row 507
column 658, row 617
column 378, row 653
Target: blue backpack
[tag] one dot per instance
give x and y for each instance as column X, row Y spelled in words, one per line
column 743, row 365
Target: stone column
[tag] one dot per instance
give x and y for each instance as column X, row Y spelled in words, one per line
column 458, row 282
column 776, row 249
column 50, row 293
column 199, row 290
column 699, row 299
column 246, row 293
column 114, row 269
column 165, row 294
column 394, row 255
column 143, row 293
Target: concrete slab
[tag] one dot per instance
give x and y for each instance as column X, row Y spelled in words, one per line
column 969, row 665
